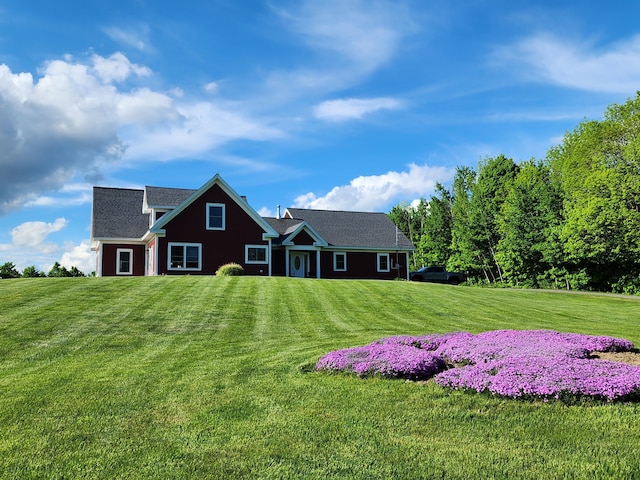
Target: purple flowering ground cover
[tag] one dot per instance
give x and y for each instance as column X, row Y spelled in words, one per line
column 510, row 363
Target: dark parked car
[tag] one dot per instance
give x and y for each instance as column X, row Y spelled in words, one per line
column 438, row 275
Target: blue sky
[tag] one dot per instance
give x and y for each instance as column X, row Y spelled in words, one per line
column 340, row 104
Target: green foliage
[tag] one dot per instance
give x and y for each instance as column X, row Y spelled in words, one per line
column 410, row 221
column 571, row 220
column 529, row 223
column 598, row 167
column 230, row 270
column 200, row 377
column 8, row 270
column 31, row 272
column 58, row 270
column 464, row 254
column 495, row 177
column 435, row 243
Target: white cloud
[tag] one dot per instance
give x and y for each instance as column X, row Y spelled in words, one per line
column 376, row 192
column 49, row 201
column 349, row 39
column 203, row 127
column 30, row 246
column 33, row 234
column 211, row 87
column 365, row 32
column 265, row 212
column 79, row 256
column 136, row 37
column 559, row 61
column 78, row 118
column 117, row 67
column 353, row 108
column 64, row 123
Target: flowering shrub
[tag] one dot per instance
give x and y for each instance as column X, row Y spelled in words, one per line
column 511, row 363
column 392, row 359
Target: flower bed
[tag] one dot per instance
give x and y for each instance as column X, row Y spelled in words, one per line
column 510, row 363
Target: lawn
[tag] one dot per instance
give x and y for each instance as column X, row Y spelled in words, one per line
column 206, row 377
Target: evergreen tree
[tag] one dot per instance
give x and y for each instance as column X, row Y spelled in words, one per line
column 8, row 270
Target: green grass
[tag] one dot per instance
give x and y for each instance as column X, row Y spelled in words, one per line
column 205, row 377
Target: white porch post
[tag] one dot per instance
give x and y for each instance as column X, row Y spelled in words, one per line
column 318, row 263
column 286, row 261
column 406, row 262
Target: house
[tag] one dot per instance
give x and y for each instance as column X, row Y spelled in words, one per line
column 171, row 231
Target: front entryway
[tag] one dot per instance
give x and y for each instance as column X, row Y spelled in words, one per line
column 298, row 264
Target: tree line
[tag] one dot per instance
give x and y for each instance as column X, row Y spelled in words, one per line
column 9, row 270
column 570, row 220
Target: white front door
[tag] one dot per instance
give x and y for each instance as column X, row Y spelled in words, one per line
column 297, row 264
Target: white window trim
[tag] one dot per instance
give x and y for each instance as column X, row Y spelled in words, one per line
column 335, row 263
column 253, row 262
column 380, row 255
column 118, row 252
column 224, row 216
column 184, row 269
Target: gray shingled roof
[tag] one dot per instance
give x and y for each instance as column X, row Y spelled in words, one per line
column 349, row 229
column 117, row 213
column 167, row 197
column 284, row 226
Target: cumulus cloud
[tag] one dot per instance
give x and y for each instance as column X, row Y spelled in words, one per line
column 30, row 245
column 614, row 68
column 33, row 234
column 64, row 123
column 353, row 108
column 78, row 117
column 79, row 256
column 376, row 192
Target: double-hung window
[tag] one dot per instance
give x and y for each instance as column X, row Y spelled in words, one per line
column 339, row 261
column 383, row 262
column 216, row 216
column 185, row 256
column 124, row 261
column 256, row 254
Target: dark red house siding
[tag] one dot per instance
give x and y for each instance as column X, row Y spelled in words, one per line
column 278, row 263
column 303, row 238
column 218, row 246
column 109, row 252
column 364, row 265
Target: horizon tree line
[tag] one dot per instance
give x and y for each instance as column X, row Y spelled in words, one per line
column 570, row 220
column 9, row 270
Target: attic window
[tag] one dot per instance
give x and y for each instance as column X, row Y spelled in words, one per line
column 215, row 216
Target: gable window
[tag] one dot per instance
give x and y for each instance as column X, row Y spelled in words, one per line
column 215, row 216
column 124, row 261
column 256, row 254
column 383, row 262
column 339, row 261
column 185, row 256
